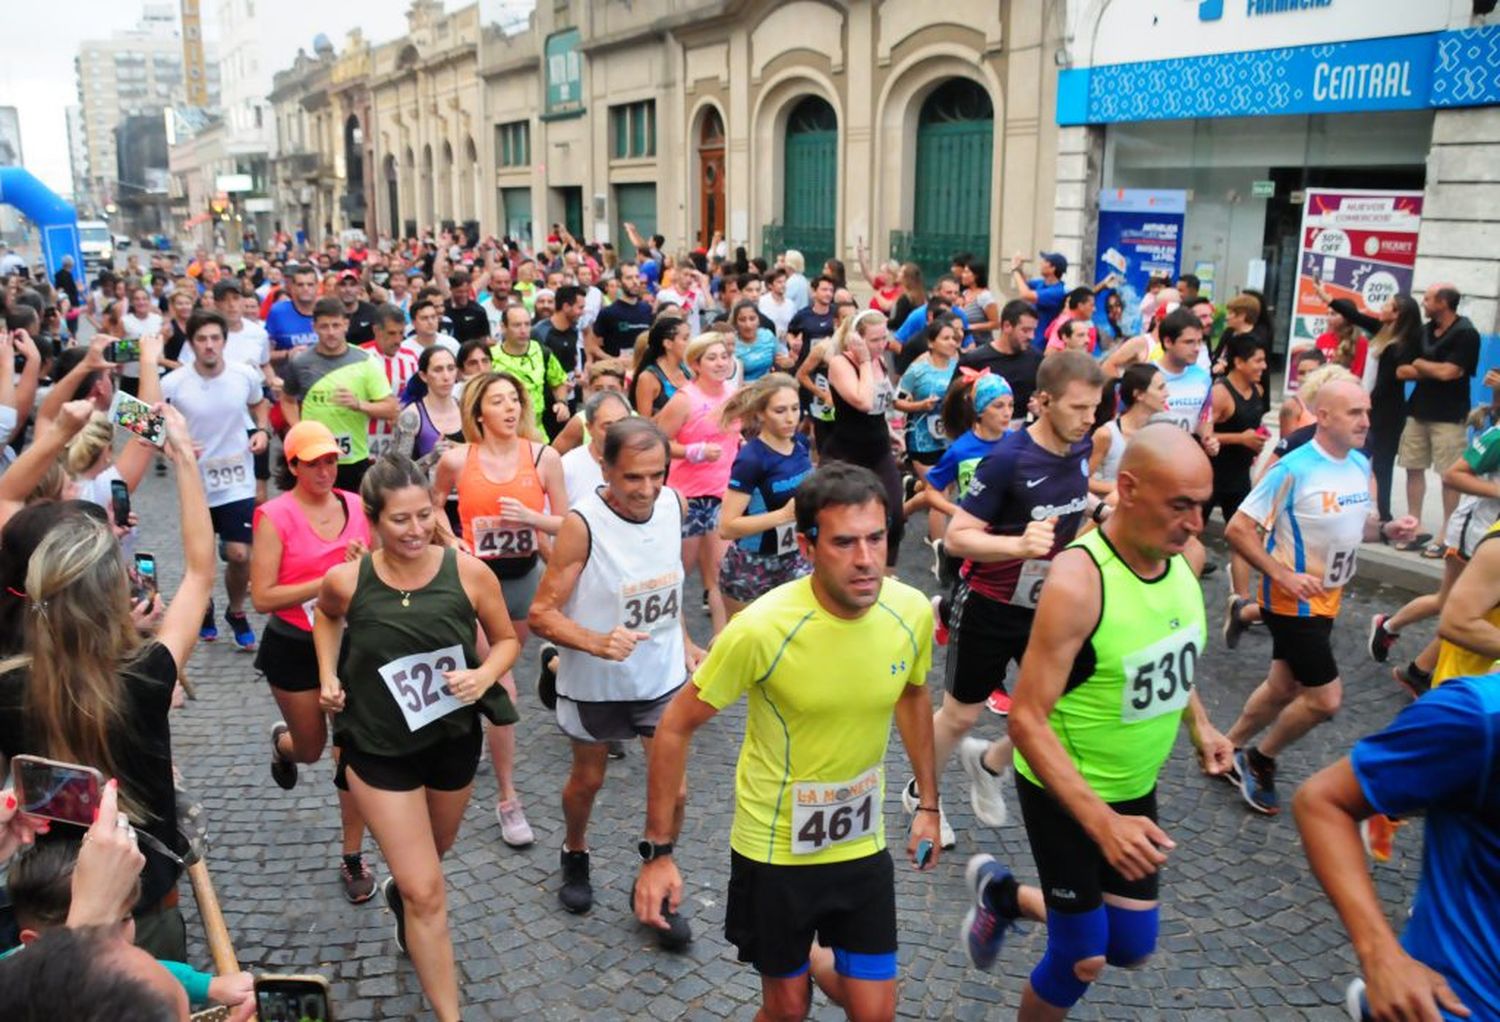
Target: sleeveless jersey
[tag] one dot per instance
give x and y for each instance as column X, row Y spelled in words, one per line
column 706, row 478
column 1233, row 463
column 509, row 547
column 632, row 577
column 1118, row 717
column 1454, row 661
column 1109, row 468
column 399, row 646
column 428, row 434
column 304, row 554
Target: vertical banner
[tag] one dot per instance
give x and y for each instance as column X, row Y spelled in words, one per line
column 1362, row 246
column 1140, row 234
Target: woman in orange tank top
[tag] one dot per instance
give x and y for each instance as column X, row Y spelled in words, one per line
column 509, row 486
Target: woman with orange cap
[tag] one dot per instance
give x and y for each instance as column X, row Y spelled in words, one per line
column 299, row 536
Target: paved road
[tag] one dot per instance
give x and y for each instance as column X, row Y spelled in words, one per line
column 1246, row 934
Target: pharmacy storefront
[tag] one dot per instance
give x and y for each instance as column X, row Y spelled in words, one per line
column 1259, row 124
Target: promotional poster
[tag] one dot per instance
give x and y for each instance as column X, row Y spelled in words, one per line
column 1361, row 245
column 1140, row 234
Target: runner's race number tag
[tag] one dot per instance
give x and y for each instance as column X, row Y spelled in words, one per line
column 1029, row 583
column 379, row 444
column 496, row 538
column 346, row 444
column 416, row 683
column 825, row 814
column 221, row 474
column 1159, row 678
column 653, row 604
column 1339, row 569
column 786, row 538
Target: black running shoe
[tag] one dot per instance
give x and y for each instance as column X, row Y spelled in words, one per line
column 677, row 935
column 393, row 902
column 1381, row 638
column 576, row 893
column 283, row 770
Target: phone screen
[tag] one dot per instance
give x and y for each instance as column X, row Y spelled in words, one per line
column 66, row 793
column 291, row 1000
column 145, row 569
column 119, row 494
column 127, row 350
column 136, row 415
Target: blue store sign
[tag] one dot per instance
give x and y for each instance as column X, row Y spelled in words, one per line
column 1435, row 69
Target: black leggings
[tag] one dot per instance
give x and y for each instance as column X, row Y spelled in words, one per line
column 1380, row 447
column 890, row 475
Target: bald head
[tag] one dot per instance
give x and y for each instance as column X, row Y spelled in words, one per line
column 1164, row 481
column 1339, row 392
column 1343, row 410
column 1162, row 450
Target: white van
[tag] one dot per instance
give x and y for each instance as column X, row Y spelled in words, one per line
column 97, row 243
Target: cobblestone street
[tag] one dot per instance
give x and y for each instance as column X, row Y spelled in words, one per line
column 1246, row 933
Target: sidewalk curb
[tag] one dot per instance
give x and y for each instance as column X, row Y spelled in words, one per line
column 1380, row 564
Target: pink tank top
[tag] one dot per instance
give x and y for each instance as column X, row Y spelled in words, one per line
column 706, row 478
column 304, row 554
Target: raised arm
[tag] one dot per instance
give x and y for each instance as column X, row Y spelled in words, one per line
column 179, row 626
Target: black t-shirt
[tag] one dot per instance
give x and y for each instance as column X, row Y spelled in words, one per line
column 470, row 323
column 142, row 752
column 1019, row 370
column 361, row 324
column 562, row 343
column 619, row 323
column 812, row 327
column 1447, row 400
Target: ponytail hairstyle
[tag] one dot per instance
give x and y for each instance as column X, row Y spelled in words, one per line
column 78, row 639
column 748, row 404
column 390, row 472
column 967, row 399
column 856, row 323
column 1135, row 381
column 93, row 440
column 663, row 330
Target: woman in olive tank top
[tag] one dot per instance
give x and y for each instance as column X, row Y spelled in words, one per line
column 407, row 699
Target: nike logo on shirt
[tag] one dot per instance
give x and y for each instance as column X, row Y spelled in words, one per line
column 1035, row 482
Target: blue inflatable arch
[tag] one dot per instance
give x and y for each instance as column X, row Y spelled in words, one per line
column 54, row 217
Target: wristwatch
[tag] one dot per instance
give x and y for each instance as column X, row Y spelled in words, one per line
column 650, row 850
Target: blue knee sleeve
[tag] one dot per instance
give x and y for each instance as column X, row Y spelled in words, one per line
column 1071, row 937
column 1132, row 934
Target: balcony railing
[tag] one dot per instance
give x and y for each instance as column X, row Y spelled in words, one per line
column 934, row 252
column 305, row 164
column 815, row 244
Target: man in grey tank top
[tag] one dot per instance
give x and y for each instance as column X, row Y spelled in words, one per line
column 611, row 601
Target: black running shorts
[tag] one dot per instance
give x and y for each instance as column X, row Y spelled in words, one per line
column 984, row 637
column 1306, row 644
column 773, row 912
column 1073, row 872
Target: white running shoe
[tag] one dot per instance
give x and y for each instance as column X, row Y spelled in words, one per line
column 1354, row 1000
column 986, row 793
column 514, row 829
column 946, row 837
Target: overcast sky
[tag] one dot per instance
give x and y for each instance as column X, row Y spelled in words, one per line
column 36, row 58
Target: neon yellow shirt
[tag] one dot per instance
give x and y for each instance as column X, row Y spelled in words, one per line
column 312, row 377
column 822, row 691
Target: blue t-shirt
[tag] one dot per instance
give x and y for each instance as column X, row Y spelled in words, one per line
column 770, row 479
column 758, row 356
column 1442, row 754
column 960, row 461
column 1049, row 302
column 288, row 328
column 924, row 430
column 916, row 322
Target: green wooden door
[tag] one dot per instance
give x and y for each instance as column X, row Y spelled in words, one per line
column 636, row 204
column 955, row 149
column 810, row 181
column 573, row 211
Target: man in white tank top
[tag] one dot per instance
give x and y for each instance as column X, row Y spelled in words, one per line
column 611, row 600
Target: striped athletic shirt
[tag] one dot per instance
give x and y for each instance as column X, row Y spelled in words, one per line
column 1313, row 508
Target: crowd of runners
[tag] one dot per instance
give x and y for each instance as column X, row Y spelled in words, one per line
column 471, row 443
